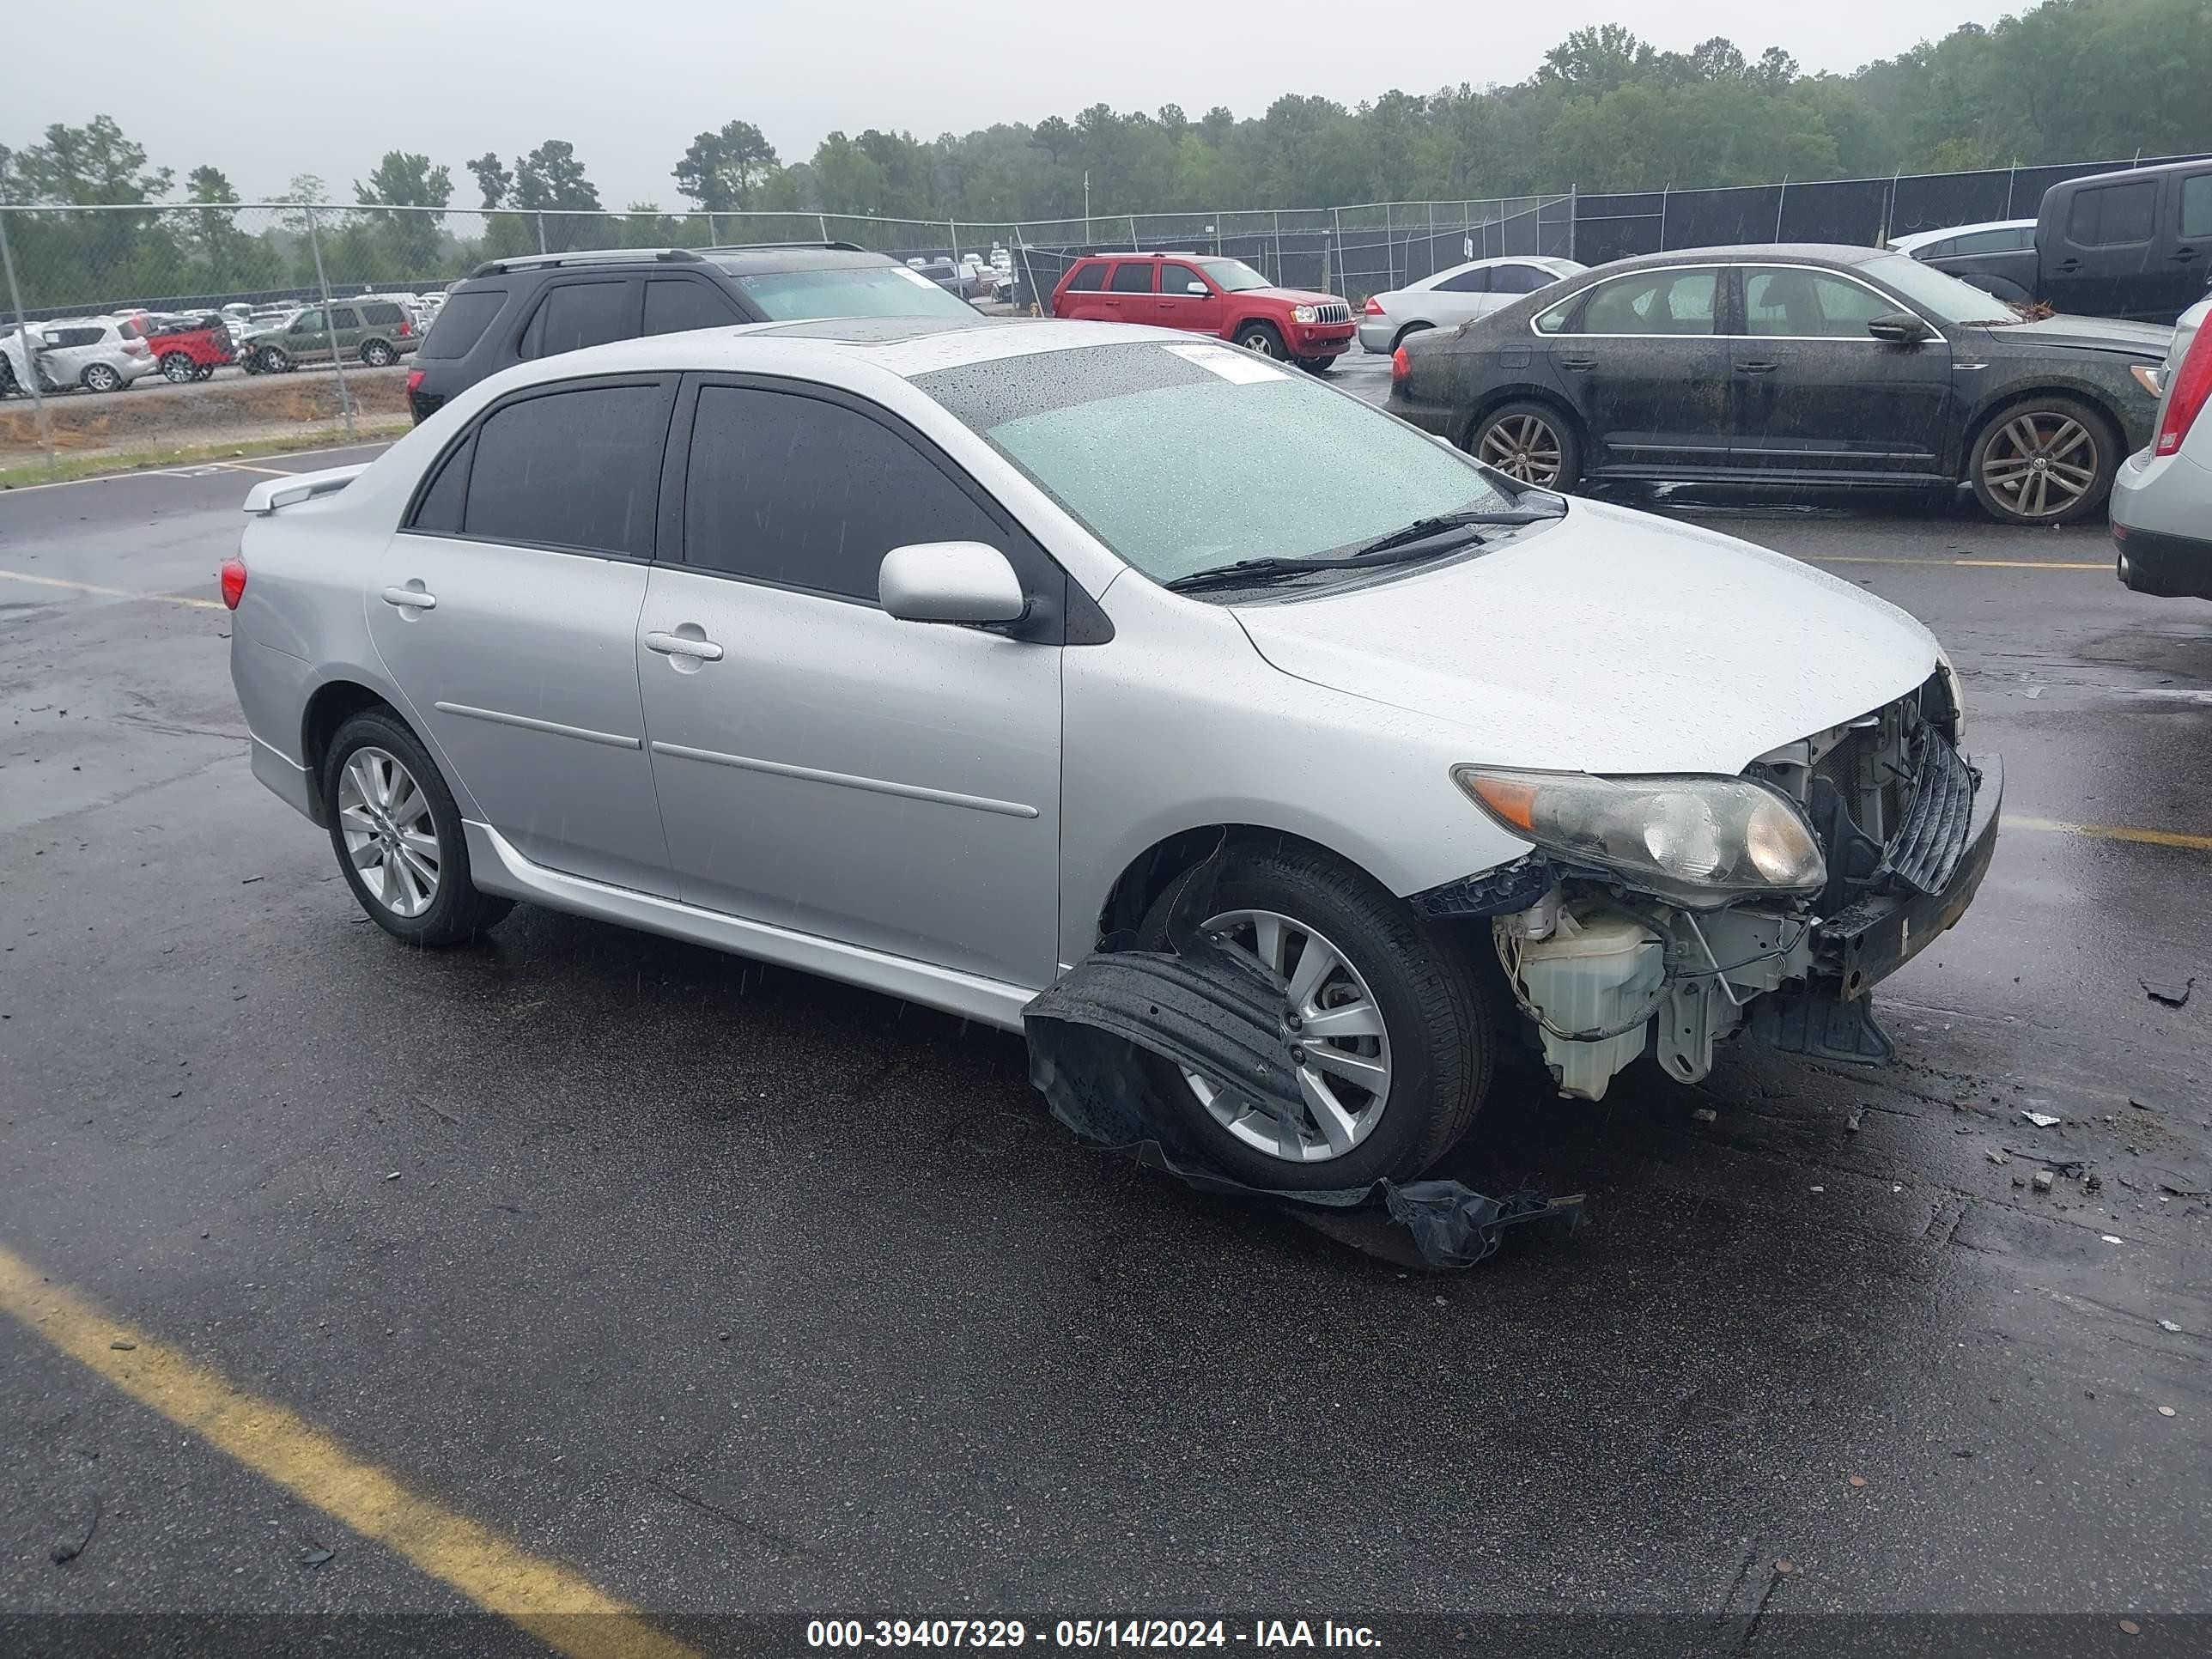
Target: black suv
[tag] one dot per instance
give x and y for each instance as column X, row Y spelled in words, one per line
column 509, row 310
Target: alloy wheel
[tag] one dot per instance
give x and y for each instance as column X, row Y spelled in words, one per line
column 100, row 378
column 1337, row 1035
column 2039, row 464
column 177, row 368
column 389, row 833
column 1258, row 340
column 1521, row 446
column 376, row 355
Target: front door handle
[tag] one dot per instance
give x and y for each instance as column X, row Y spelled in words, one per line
column 411, row 598
column 2185, row 254
column 2066, row 265
column 678, row 645
column 1757, row 368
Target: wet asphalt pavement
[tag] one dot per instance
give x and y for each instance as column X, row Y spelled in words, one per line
column 738, row 1291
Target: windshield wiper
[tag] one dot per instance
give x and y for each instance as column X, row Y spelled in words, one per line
column 1415, row 541
column 1443, row 524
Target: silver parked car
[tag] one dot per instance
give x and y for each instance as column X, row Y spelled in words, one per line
column 2161, row 504
column 1451, row 297
column 932, row 656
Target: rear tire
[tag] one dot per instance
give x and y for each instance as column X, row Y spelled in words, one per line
column 1437, row 1036
column 100, row 377
column 397, row 835
column 1407, row 333
column 1529, row 442
column 1263, row 338
column 377, row 354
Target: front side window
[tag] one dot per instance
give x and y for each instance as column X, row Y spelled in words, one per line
column 1233, row 276
column 1664, row 301
column 1133, row 277
column 308, row 322
column 1154, row 447
column 675, row 305
column 573, row 315
column 578, row 469
column 1519, row 279
column 1178, row 279
column 1089, row 280
column 2113, row 216
column 807, row 494
column 1790, row 301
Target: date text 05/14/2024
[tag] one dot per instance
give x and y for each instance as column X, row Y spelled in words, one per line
column 1155, row 1633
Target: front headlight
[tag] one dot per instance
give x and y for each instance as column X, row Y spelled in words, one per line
column 1700, row 841
column 1303, row 313
column 1949, row 671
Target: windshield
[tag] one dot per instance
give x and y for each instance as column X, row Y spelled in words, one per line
column 1232, row 275
column 790, row 297
column 1182, row 458
column 1942, row 296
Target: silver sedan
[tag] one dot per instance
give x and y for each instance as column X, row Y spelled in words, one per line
column 1451, row 297
column 943, row 657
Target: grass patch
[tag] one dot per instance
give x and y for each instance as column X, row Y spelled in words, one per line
column 162, row 457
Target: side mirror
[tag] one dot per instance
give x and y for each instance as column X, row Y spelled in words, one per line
column 950, row 582
column 1900, row 328
column 1197, row 290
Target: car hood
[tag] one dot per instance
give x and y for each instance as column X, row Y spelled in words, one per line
column 1609, row 641
column 1295, row 297
column 2145, row 340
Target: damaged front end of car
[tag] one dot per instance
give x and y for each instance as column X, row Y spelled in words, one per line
column 1662, row 914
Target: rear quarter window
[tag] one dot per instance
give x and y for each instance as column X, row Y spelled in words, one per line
column 1088, row 279
column 380, row 315
column 462, row 321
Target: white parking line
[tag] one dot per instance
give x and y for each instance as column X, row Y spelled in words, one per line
column 110, row 592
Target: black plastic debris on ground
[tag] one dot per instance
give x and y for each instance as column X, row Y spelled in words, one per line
column 1207, row 1008
column 2172, row 995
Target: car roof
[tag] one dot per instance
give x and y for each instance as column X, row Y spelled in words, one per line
column 904, row 346
column 1913, row 240
column 1812, row 254
column 740, row 260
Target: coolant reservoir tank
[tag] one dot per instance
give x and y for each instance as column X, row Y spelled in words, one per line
column 1596, row 972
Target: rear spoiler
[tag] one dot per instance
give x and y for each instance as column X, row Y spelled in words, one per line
column 269, row 496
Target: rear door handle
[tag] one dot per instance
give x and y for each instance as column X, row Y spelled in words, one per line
column 1757, row 368
column 411, row 599
column 677, row 645
column 1579, row 365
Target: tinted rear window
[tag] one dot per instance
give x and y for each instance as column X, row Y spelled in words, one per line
column 462, row 320
column 575, row 469
column 676, row 304
column 573, row 315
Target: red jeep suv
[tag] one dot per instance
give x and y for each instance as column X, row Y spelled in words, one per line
column 1207, row 295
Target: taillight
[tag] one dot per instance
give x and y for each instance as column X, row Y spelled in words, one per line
column 406, row 328
column 414, row 380
column 233, row 575
column 1401, row 365
column 1373, row 307
column 2192, row 386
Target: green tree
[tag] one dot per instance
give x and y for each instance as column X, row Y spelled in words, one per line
column 725, row 171
column 413, row 242
column 494, row 180
column 550, row 184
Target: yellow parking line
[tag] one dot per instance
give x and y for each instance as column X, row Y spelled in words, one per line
column 552, row 1603
column 1968, row 564
column 2114, row 832
column 111, row 593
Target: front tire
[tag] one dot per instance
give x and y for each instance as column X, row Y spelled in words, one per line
column 1529, row 442
column 1263, row 338
column 1316, row 365
column 1397, row 1033
column 275, row 361
column 2043, row 461
column 397, row 835
column 178, row 369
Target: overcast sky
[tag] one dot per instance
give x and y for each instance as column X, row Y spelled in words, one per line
column 266, row 90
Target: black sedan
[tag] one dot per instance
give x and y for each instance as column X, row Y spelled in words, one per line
column 1791, row 366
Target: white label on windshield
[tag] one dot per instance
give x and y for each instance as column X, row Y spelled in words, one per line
column 914, row 277
column 1242, row 368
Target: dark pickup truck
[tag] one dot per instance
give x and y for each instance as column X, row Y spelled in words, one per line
column 2133, row 244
